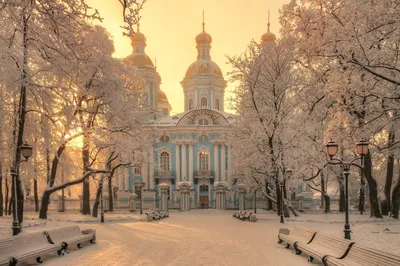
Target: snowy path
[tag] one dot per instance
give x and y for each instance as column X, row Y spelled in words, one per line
column 206, row 237
column 197, row 238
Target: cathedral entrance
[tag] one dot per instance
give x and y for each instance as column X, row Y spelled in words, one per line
column 203, row 199
column 203, row 202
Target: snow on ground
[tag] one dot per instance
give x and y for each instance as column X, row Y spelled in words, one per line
column 202, row 237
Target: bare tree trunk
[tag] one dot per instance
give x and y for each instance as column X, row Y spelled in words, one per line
column 373, row 187
column 6, row 197
column 389, row 173
column 110, row 195
column 97, row 201
column 35, row 194
column 323, row 189
column 269, row 201
column 396, row 195
column 86, row 183
column 278, row 198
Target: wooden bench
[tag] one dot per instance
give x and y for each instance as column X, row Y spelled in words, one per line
column 323, row 245
column 27, row 247
column 240, row 216
column 364, row 256
column 236, row 214
column 296, row 235
column 246, row 216
column 70, row 236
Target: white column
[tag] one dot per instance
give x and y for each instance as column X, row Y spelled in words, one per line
column 196, row 99
column 126, row 175
column 184, row 172
column 229, row 167
column 151, row 185
column 191, row 163
column 223, row 162
column 177, row 162
column 216, row 172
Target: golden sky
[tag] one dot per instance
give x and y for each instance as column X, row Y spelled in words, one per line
column 171, row 26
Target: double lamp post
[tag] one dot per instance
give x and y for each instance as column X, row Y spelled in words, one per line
column 26, row 151
column 362, row 150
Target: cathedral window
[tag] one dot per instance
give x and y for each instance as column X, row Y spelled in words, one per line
column 137, row 170
column 190, row 104
column 164, row 138
column 204, row 102
column 203, row 122
column 203, row 188
column 203, row 161
column 217, row 104
column 164, row 161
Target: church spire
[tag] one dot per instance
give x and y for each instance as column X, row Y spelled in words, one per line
column 268, row 21
column 203, row 21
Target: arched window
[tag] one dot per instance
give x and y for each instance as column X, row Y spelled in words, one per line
column 217, row 104
column 203, row 161
column 164, row 161
column 204, row 102
column 203, row 122
column 203, row 188
column 190, row 104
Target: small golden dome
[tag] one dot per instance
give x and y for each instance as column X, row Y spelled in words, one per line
column 138, row 36
column 268, row 37
column 203, row 67
column 161, row 97
column 140, row 60
column 203, row 37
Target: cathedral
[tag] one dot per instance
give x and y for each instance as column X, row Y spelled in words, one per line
column 189, row 164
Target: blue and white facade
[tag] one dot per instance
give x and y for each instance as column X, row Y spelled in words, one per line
column 189, row 157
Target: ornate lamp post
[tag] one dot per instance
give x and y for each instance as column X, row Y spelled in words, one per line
column 26, row 151
column 141, row 186
column 331, row 150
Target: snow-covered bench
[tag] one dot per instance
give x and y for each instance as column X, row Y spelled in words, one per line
column 296, row 235
column 364, row 256
column 237, row 214
column 324, row 245
column 70, row 236
column 27, row 247
column 246, row 216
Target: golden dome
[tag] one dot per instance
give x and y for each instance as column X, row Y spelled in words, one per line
column 161, row 97
column 203, row 67
column 203, row 37
column 268, row 37
column 138, row 36
column 140, row 60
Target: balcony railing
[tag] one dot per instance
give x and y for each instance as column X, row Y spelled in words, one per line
column 164, row 174
column 204, row 174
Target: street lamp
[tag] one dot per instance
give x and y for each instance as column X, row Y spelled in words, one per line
column 26, row 151
column 362, row 149
column 141, row 185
